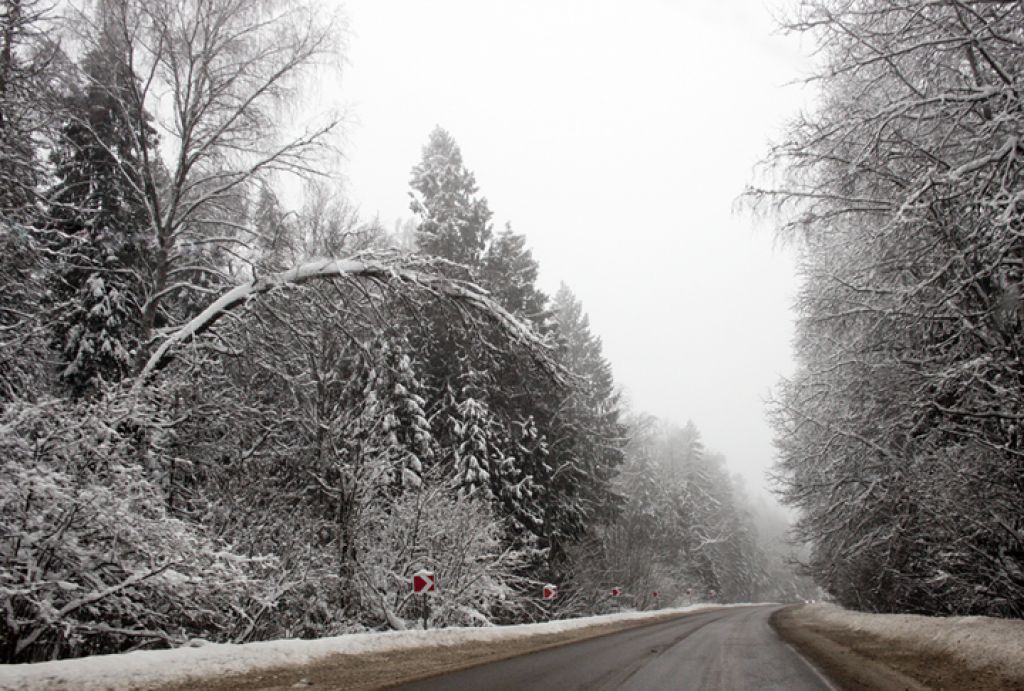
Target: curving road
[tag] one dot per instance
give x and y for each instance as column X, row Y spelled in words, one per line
column 729, row 649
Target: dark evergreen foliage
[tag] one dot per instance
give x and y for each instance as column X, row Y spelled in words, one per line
column 98, row 224
column 454, row 222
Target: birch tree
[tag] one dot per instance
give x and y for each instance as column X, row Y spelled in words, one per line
column 900, row 435
column 216, row 75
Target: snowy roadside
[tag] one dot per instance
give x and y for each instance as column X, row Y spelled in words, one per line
column 939, row 652
column 148, row 668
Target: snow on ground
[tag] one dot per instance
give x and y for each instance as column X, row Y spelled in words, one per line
column 977, row 642
column 153, row 667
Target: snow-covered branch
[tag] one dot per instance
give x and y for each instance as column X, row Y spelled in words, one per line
column 362, row 269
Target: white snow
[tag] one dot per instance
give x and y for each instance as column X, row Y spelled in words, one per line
column 357, row 266
column 976, row 642
column 203, row 660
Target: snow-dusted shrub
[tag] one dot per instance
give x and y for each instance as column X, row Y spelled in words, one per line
column 457, row 537
column 91, row 560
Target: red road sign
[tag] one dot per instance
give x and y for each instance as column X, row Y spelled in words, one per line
column 655, row 593
column 423, row 582
column 616, row 592
column 550, row 592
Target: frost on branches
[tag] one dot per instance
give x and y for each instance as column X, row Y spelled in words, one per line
column 900, row 435
column 93, row 560
column 459, row 538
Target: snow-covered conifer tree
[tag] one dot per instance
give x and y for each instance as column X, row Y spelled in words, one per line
column 98, row 225
column 409, row 446
column 510, row 272
column 454, row 221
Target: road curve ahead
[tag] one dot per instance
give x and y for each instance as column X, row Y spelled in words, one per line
column 730, row 649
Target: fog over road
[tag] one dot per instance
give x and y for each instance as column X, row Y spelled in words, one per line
column 732, row 649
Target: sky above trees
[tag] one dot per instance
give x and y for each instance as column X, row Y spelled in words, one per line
column 616, row 136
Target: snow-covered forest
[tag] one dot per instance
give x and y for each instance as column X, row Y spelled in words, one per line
column 227, row 417
column 900, row 436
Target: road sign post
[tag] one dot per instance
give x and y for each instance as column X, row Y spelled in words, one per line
column 424, row 584
column 550, row 591
column 614, row 593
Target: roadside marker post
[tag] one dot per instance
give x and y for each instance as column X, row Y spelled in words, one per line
column 423, row 582
column 615, row 593
column 425, row 585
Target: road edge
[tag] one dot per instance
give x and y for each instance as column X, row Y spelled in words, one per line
column 842, row 666
column 818, row 672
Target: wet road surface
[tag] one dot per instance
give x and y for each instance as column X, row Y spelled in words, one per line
column 732, row 648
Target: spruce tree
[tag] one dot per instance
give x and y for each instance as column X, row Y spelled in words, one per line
column 98, row 225
column 454, row 221
column 484, row 405
column 497, row 418
column 509, row 272
column 591, row 437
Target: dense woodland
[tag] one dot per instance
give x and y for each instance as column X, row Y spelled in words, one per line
column 900, row 437
column 227, row 417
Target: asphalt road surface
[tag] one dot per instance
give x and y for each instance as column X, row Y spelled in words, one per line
column 730, row 649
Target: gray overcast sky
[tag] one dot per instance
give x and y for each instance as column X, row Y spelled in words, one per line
column 616, row 136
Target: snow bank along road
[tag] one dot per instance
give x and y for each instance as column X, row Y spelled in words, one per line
column 353, row 661
column 730, row 649
column 697, row 647
column 907, row 651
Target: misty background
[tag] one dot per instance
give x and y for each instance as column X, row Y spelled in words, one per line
column 617, row 138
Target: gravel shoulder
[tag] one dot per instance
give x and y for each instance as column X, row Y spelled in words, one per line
column 391, row 668
column 859, row 659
